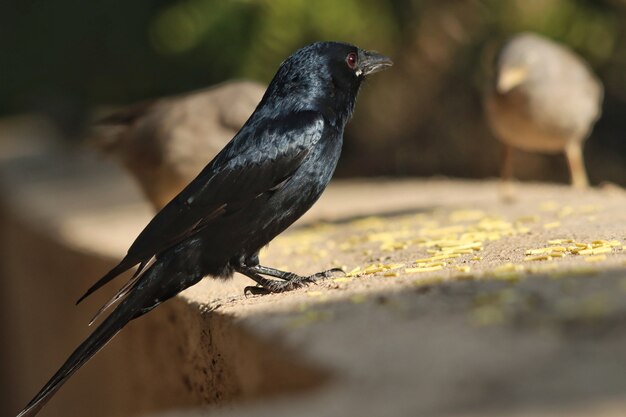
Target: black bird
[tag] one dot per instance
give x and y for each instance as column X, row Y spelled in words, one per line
column 267, row 176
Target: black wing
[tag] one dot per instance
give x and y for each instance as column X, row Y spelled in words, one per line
column 262, row 155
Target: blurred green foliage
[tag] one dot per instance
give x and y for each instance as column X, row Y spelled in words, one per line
column 67, row 56
column 117, row 51
column 587, row 26
column 253, row 36
column 120, row 51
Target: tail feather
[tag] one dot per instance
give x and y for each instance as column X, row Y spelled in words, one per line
column 121, row 293
column 120, row 268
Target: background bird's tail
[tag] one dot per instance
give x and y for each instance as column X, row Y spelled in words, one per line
column 161, row 281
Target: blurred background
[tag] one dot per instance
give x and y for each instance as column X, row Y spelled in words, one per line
column 65, row 219
column 425, row 117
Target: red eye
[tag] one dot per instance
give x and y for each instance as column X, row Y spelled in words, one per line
column 351, row 60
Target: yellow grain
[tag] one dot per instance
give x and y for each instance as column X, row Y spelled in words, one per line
column 437, row 258
column 373, row 269
column 390, row 247
column 597, row 258
column 392, row 266
column 458, row 251
column 423, row 269
column 595, row 251
column 550, row 249
column 354, row 272
column 543, row 257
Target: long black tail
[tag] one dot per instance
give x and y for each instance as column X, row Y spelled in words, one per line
column 164, row 279
column 120, row 268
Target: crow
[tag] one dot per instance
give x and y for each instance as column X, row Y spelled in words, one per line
column 266, row 177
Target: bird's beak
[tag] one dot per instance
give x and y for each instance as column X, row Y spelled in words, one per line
column 510, row 78
column 371, row 62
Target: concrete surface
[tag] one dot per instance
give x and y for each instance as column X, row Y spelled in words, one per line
column 488, row 333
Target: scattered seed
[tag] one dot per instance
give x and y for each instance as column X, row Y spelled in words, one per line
column 595, row 251
column 543, row 257
column 597, row 258
column 423, row 269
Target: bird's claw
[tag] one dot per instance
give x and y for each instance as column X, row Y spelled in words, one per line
column 328, row 273
column 278, row 287
column 255, row 290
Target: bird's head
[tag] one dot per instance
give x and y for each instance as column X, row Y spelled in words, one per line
column 324, row 76
column 520, row 60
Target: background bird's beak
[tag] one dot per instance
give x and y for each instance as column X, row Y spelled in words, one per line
column 371, row 62
column 510, row 78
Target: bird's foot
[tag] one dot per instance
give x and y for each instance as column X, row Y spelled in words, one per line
column 272, row 286
column 295, row 281
column 507, row 192
column 328, row 273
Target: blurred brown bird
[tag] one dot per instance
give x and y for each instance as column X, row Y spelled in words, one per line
column 165, row 143
column 543, row 98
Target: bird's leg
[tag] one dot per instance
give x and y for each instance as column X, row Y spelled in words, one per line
column 266, row 286
column 287, row 276
column 291, row 280
column 277, row 273
column 574, row 155
column 506, row 174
